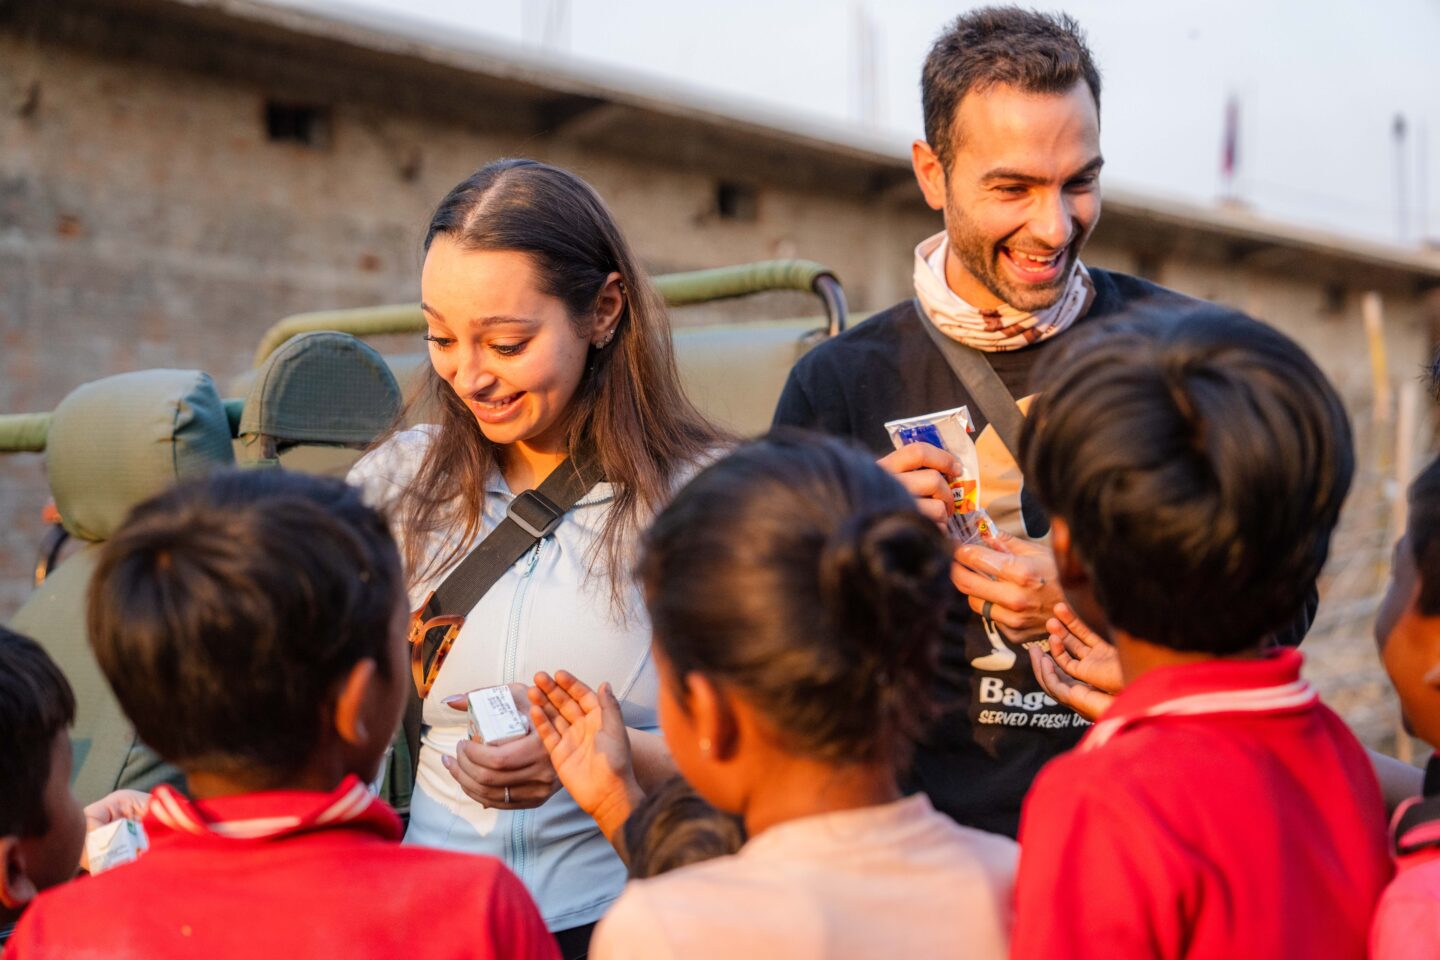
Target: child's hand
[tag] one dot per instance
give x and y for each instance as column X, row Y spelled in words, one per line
column 584, row 732
column 1082, row 698
column 120, row 805
column 1012, row 581
column 1081, row 670
column 1082, row 653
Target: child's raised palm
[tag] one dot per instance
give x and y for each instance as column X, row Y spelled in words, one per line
column 1081, row 670
column 584, row 732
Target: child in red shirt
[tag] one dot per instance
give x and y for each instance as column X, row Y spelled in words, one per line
column 1194, row 466
column 1407, row 923
column 42, row 828
column 252, row 626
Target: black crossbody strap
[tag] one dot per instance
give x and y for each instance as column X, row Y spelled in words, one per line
column 991, row 395
column 531, row 516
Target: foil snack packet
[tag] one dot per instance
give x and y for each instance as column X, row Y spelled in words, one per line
column 950, row 431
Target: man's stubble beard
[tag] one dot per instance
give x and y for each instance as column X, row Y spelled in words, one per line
column 980, row 258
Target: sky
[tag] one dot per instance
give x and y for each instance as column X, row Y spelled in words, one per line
column 1319, row 84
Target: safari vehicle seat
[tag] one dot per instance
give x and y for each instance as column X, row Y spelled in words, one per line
column 314, row 402
column 112, row 444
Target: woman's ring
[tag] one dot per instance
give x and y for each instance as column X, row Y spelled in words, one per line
column 985, row 609
column 507, row 794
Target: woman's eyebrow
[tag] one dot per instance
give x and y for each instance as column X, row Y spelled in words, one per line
column 489, row 321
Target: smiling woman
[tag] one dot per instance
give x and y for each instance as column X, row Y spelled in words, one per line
column 546, row 342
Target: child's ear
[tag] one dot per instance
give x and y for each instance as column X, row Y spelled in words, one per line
column 1067, row 563
column 356, row 689
column 16, row 887
column 714, row 716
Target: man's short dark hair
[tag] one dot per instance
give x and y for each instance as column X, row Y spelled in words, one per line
column 1200, row 459
column 1423, row 537
column 36, row 704
column 1035, row 52
column 225, row 611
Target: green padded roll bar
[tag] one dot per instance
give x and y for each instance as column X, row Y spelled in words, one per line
column 26, row 432
column 723, row 283
column 678, row 289
column 361, row 322
column 23, row 432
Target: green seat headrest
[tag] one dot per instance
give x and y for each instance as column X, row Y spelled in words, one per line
column 320, row 388
column 119, row 441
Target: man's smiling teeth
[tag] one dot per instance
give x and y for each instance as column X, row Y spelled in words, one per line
column 1033, row 263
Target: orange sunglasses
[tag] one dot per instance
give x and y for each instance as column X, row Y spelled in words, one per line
column 421, row 672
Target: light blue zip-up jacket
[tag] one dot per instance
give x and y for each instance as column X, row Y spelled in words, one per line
column 546, row 613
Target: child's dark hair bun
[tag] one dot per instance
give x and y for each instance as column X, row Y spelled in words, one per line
column 800, row 574
column 879, row 573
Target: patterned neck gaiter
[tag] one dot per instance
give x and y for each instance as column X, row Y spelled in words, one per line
column 1004, row 329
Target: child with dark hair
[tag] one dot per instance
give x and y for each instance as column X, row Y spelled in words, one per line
column 797, row 599
column 1407, row 923
column 252, row 627
column 42, row 828
column 674, row 827
column 1193, row 465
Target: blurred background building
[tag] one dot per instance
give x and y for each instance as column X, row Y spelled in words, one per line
column 177, row 175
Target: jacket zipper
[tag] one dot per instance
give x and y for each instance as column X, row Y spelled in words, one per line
column 519, row 851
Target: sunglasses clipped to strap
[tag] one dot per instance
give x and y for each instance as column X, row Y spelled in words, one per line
column 426, row 659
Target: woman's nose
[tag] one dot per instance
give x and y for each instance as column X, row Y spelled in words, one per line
column 472, row 374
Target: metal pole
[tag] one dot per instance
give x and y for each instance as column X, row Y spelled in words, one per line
column 1402, row 218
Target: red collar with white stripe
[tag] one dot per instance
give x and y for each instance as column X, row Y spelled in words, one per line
column 1268, row 685
column 270, row 815
column 1415, row 827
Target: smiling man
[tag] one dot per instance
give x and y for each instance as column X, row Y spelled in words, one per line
column 1011, row 158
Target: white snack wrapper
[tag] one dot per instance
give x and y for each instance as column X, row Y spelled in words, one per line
column 494, row 717
column 117, row 842
column 950, row 431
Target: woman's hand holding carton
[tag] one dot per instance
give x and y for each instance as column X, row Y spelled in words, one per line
column 513, row 775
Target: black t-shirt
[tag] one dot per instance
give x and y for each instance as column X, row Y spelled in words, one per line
column 998, row 727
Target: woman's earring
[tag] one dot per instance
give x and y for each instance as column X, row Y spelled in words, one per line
column 604, row 341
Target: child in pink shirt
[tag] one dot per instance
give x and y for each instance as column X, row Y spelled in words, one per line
column 797, row 598
column 1407, row 923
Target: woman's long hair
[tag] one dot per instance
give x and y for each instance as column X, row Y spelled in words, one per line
column 629, row 408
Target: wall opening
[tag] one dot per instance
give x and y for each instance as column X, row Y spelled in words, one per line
column 304, row 123
column 736, row 201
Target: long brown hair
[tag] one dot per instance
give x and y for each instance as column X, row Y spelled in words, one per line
column 629, row 408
